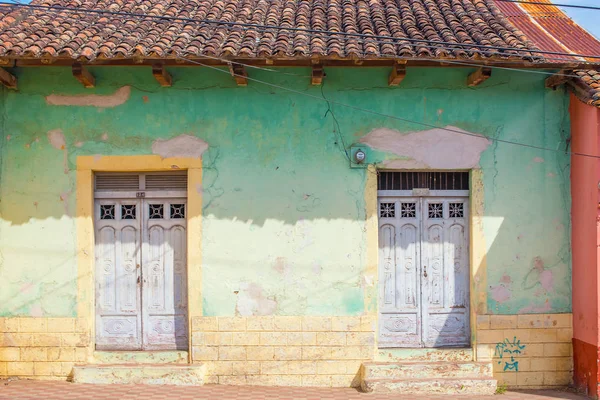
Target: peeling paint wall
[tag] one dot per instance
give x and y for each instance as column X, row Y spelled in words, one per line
column 284, row 215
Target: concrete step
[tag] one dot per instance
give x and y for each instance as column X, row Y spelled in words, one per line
column 470, row 386
column 140, row 357
column 149, row 374
column 429, row 355
column 422, row 370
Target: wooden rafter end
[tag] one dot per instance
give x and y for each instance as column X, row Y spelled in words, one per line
column 83, row 75
column 8, row 79
column 479, row 76
column 239, row 74
column 161, row 75
column 397, row 75
column 317, row 74
column 561, row 77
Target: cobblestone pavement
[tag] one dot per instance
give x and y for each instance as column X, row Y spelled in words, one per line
column 25, row 390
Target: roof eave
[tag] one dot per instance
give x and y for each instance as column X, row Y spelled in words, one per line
column 18, row 61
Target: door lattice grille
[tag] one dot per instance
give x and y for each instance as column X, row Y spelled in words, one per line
column 171, row 181
column 107, row 182
column 423, row 180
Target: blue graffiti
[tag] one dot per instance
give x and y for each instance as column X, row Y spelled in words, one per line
column 507, row 349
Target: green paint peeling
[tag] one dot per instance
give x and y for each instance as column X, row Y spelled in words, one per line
column 284, row 214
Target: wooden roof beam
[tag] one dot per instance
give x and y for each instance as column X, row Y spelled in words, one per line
column 161, row 75
column 397, row 75
column 561, row 77
column 239, row 73
column 83, row 75
column 8, row 79
column 317, row 75
column 479, row 76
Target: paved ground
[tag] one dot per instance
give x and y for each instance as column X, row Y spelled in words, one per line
column 50, row 390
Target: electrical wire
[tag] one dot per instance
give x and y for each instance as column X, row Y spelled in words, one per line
column 379, row 114
column 329, row 102
column 459, row 46
column 456, row 62
column 371, row 41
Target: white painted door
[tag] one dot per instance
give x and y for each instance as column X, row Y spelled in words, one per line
column 424, row 272
column 118, row 275
column 141, row 265
column 164, row 275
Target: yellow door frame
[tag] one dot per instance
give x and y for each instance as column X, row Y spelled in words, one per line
column 477, row 256
column 86, row 167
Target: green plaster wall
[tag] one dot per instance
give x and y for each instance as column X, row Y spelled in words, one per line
column 284, row 215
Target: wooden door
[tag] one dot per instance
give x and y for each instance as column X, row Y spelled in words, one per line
column 141, row 261
column 164, row 275
column 445, row 271
column 399, row 278
column 424, row 272
column 118, row 275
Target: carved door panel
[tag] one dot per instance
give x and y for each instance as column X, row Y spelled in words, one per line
column 445, row 266
column 424, row 272
column 164, row 270
column 399, row 278
column 118, row 257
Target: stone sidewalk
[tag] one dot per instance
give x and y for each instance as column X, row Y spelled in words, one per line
column 50, row 390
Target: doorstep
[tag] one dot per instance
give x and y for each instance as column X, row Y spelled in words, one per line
column 149, row 374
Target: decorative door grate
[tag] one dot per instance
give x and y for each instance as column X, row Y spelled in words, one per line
column 423, row 180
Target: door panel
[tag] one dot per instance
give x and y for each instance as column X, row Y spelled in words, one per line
column 118, row 305
column 445, row 261
column 165, row 277
column 424, row 272
column 399, row 234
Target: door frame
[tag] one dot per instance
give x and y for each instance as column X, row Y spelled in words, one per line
column 86, row 167
column 424, row 199
column 477, row 252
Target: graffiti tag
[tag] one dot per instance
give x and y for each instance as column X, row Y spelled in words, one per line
column 507, row 349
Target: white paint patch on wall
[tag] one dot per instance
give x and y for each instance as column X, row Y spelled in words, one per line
column 91, row 100
column 180, row 146
column 252, row 301
column 434, row 148
column 57, row 139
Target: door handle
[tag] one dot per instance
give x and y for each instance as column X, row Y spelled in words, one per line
column 138, row 280
column 425, row 271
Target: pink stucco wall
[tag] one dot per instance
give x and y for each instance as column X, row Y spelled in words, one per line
column 585, row 176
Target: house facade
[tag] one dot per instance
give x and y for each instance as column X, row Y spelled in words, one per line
column 280, row 225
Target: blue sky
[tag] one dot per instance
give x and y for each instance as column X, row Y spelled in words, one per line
column 588, row 19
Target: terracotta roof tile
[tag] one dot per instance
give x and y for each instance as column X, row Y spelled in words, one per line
column 39, row 33
column 590, row 80
column 550, row 29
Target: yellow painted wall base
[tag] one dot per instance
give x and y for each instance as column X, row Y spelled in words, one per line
column 43, row 348
column 283, row 351
column 527, row 351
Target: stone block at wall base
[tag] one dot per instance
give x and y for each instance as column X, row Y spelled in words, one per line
column 42, row 348
column 529, row 351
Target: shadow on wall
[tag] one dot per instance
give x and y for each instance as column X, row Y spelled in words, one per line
column 283, row 214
